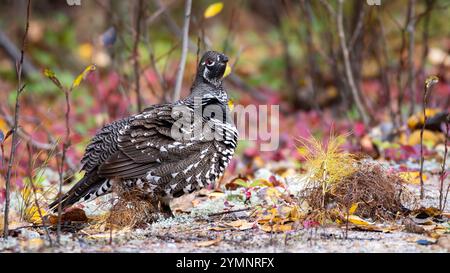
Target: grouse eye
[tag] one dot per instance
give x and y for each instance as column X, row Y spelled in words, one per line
column 209, row 62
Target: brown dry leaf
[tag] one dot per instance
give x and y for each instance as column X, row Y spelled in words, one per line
column 74, row 215
column 219, row 228
column 215, row 194
column 424, row 216
column 241, row 224
column 385, row 229
column 276, row 227
column 210, row 242
column 236, row 223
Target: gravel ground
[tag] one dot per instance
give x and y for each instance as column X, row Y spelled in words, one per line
column 186, row 233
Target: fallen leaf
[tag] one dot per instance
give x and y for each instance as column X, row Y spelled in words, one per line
column 73, row 215
column 276, row 227
column 353, row 208
column 210, row 242
column 430, row 138
column 412, row 177
column 241, row 224
column 215, row 194
column 358, row 221
column 219, row 228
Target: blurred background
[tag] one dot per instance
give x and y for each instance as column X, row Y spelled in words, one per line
column 354, row 66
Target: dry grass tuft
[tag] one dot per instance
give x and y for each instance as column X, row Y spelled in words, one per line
column 337, row 182
column 131, row 209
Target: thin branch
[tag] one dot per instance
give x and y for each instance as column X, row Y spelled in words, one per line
column 358, row 29
column 139, row 13
column 411, row 29
column 443, row 202
column 20, row 88
column 33, row 187
column 65, row 146
column 233, row 77
column 428, row 85
column 14, row 53
column 348, row 69
column 228, row 212
column 184, row 51
column 35, row 143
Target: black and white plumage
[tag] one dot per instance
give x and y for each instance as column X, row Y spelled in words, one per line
column 168, row 149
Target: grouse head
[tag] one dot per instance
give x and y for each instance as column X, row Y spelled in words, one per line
column 212, row 67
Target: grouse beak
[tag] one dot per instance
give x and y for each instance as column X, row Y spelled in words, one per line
column 223, row 59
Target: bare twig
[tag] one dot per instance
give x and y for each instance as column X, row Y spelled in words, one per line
column 33, row 187
column 65, row 146
column 348, row 69
column 411, row 29
column 184, row 51
column 14, row 53
column 428, row 84
column 228, row 212
column 358, row 29
column 443, row 202
column 384, row 70
column 233, row 77
column 53, row 145
column 137, row 36
column 20, row 88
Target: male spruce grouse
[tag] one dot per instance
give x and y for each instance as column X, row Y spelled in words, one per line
column 165, row 151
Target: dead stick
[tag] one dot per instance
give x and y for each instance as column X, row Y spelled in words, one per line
column 348, row 69
column 19, row 90
column 184, row 51
column 33, row 187
column 227, row 212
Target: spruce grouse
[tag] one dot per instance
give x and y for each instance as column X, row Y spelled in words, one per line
column 168, row 149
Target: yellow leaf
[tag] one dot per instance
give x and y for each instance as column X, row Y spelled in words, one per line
column 353, row 208
column 230, row 105
column 417, row 120
column 430, row 138
column 358, row 221
column 412, row 177
column 227, row 71
column 83, row 75
column 85, row 51
column 213, row 9
column 276, row 227
column 52, row 76
column 33, row 215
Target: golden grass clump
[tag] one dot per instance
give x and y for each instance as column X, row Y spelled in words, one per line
column 327, row 163
column 337, row 181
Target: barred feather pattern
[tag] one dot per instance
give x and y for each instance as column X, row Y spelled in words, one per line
column 141, row 153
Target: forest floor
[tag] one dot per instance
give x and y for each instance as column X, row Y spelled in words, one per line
column 234, row 232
